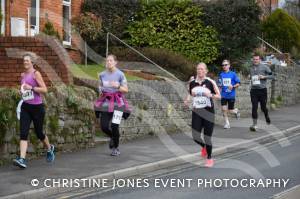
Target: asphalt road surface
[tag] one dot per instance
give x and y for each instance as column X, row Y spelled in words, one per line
column 258, row 173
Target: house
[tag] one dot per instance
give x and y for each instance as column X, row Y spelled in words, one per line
column 28, row 18
column 268, row 6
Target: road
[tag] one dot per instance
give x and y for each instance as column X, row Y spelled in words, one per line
column 271, row 162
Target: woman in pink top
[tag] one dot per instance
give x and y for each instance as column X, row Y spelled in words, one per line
column 32, row 110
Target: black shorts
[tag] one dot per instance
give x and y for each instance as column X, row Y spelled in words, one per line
column 230, row 103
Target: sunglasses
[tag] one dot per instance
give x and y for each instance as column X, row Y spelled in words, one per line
column 225, row 64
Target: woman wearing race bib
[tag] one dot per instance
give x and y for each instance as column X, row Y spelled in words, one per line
column 203, row 90
column 32, row 110
column 112, row 104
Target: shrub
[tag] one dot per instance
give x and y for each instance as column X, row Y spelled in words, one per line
column 175, row 63
column 88, row 25
column 174, row 25
column 50, row 30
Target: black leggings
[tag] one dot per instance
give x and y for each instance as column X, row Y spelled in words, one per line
column 203, row 119
column 110, row 129
column 259, row 96
column 32, row 113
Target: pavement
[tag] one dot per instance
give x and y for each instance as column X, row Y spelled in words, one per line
column 141, row 155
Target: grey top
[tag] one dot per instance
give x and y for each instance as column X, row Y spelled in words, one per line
column 257, row 70
column 105, row 80
column 106, row 77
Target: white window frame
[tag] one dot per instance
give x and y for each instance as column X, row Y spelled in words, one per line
column 3, row 17
column 37, row 16
column 68, row 3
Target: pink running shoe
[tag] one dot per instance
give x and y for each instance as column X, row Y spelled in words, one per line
column 203, row 152
column 209, row 163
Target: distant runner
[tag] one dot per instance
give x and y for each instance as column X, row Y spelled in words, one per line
column 259, row 74
column 228, row 82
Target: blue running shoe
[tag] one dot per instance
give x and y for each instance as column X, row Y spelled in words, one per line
column 20, row 162
column 50, row 154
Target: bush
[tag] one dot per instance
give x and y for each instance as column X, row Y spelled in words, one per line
column 282, row 29
column 174, row 25
column 88, row 25
column 49, row 30
column 238, row 25
column 175, row 63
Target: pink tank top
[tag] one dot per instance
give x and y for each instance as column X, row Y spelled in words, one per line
column 29, row 79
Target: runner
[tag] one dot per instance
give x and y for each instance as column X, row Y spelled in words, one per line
column 259, row 74
column 32, row 110
column 228, row 82
column 203, row 90
column 112, row 104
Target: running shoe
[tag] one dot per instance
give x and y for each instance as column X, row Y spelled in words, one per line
column 237, row 114
column 50, row 154
column 253, row 128
column 203, row 152
column 115, row 152
column 268, row 120
column 20, row 162
column 227, row 126
column 209, row 163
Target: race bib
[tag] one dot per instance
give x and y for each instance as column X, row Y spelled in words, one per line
column 117, row 117
column 201, row 102
column 27, row 95
column 255, row 80
column 226, row 81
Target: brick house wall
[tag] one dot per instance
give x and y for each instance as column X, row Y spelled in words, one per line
column 50, row 10
column 52, row 60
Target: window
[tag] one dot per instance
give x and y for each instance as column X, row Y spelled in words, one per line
column 2, row 5
column 66, row 22
column 34, row 17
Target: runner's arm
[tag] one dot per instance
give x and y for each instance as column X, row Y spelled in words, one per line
column 268, row 74
column 41, row 88
column 123, row 84
column 237, row 80
column 123, row 88
column 217, row 91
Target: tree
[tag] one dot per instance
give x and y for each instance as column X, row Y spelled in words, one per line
column 174, row 25
column 238, row 24
column 115, row 16
column 282, row 29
